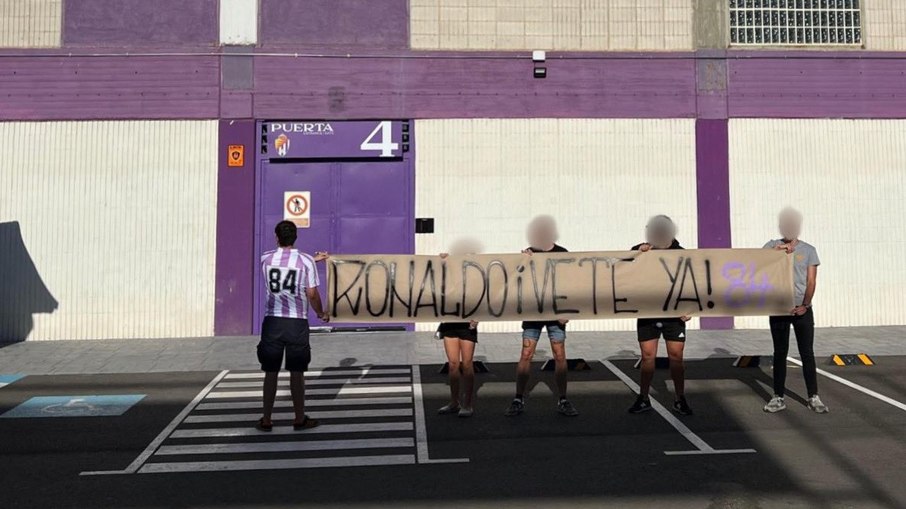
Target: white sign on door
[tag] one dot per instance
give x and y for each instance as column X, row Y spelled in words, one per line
column 297, row 208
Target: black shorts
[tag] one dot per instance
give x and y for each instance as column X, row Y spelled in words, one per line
column 460, row 330
column 673, row 329
column 279, row 334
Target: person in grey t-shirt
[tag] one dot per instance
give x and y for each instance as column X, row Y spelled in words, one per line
column 801, row 318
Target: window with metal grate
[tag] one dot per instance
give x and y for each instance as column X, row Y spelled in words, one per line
column 795, row 23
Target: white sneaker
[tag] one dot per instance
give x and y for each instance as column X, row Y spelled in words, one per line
column 775, row 405
column 465, row 412
column 816, row 405
column 448, row 409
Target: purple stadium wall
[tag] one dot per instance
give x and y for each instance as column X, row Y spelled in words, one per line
column 86, row 79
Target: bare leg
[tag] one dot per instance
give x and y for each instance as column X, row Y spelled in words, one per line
column 297, row 389
column 558, row 349
column 649, row 354
column 677, row 367
column 270, row 394
column 467, row 351
column 451, row 346
column 525, row 364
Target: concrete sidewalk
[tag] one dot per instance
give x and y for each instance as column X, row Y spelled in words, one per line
column 339, row 349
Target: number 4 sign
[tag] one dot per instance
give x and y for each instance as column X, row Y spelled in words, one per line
column 386, row 145
column 297, row 208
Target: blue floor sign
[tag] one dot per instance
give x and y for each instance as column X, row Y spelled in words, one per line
column 8, row 379
column 74, row 406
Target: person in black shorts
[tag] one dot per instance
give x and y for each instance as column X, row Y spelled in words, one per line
column 660, row 233
column 459, row 340
column 291, row 282
column 542, row 235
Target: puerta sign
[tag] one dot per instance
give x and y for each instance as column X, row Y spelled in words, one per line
column 324, row 139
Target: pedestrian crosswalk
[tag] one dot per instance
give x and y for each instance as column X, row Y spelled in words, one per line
column 367, row 419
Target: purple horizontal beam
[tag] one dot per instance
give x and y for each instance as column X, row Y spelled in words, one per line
column 60, row 88
column 43, row 85
column 140, row 23
column 474, row 87
column 819, row 87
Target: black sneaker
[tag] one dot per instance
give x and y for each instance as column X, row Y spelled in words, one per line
column 517, row 406
column 641, row 405
column 681, row 407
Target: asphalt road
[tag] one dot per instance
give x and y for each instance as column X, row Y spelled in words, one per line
column 851, row 457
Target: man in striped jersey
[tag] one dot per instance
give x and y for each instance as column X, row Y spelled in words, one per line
column 292, row 282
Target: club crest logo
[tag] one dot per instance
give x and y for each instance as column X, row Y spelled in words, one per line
column 282, row 144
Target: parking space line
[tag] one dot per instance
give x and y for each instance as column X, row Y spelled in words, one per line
column 149, row 451
column 421, row 429
column 682, row 429
column 853, row 385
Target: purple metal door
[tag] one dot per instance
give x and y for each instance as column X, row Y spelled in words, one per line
column 359, row 205
column 374, row 210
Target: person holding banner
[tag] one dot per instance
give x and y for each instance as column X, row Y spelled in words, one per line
column 800, row 318
column 460, row 339
column 291, row 280
column 542, row 236
column 660, row 233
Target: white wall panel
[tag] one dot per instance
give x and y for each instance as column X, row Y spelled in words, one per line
column 119, row 219
column 239, row 22
column 847, row 178
column 30, row 23
column 601, row 178
column 579, row 25
column 885, row 25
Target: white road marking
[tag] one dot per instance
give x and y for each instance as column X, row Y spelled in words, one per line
column 134, row 466
column 327, row 373
column 338, row 414
column 853, row 385
column 712, row 451
column 363, row 427
column 212, row 466
column 285, row 403
column 701, row 445
column 324, row 381
column 293, row 446
column 315, row 392
column 421, row 430
column 212, row 407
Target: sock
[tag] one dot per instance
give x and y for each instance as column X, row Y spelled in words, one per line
column 562, row 398
column 519, row 397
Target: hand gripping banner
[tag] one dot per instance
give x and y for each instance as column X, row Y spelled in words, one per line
column 573, row 286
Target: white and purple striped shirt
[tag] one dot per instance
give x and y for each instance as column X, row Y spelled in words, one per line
column 287, row 273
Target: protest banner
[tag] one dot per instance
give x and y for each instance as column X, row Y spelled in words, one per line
column 573, row 286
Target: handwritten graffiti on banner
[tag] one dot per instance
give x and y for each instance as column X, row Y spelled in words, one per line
column 577, row 285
